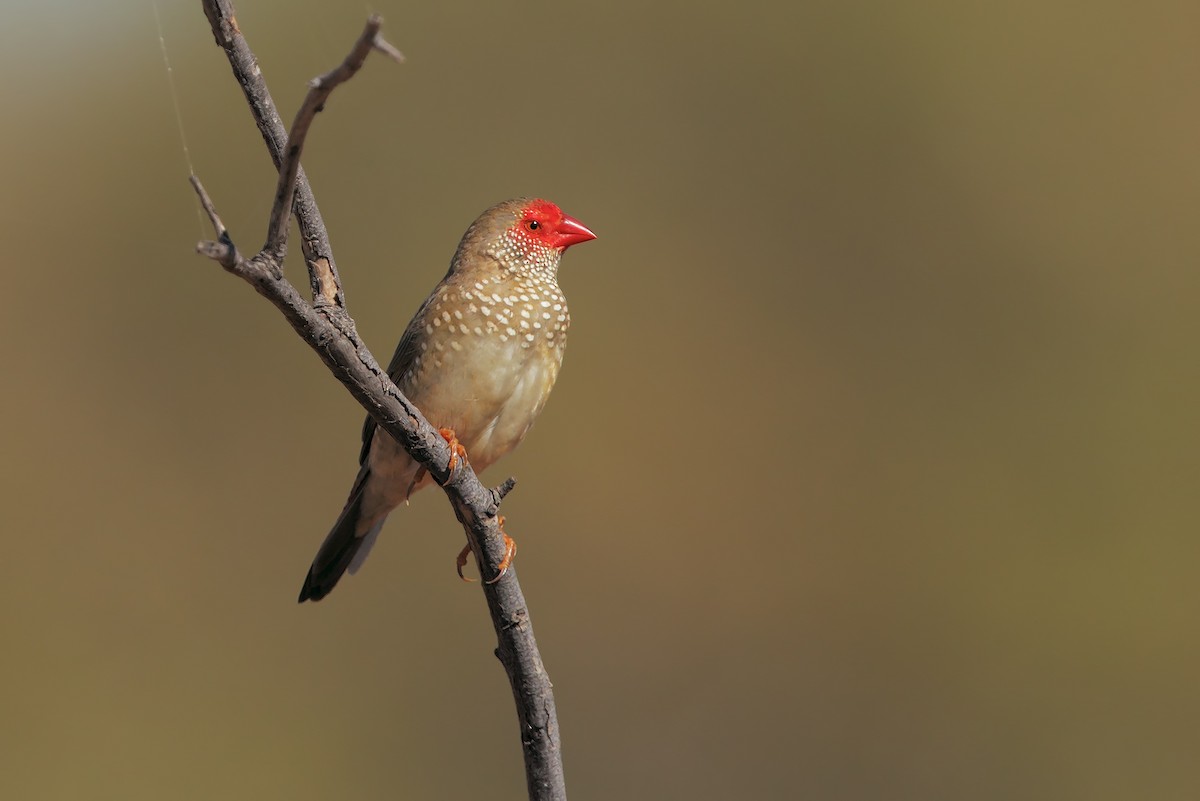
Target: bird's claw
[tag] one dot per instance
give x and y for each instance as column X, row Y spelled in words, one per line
column 461, row 562
column 456, row 448
column 510, row 551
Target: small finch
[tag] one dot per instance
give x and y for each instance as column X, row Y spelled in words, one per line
column 479, row 360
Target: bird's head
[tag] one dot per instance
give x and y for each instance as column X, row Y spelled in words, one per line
column 523, row 234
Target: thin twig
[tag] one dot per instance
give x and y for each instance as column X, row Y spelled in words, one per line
column 222, row 251
column 330, row 331
column 314, row 239
column 207, row 203
column 319, row 91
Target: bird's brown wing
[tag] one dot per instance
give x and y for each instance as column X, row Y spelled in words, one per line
column 402, row 359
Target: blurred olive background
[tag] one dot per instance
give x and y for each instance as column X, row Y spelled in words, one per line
column 871, row 472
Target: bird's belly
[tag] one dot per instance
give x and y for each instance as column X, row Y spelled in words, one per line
column 527, row 391
column 491, row 398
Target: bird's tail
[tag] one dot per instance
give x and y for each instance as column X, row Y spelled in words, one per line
column 344, row 548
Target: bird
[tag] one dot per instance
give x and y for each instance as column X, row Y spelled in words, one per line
column 479, row 359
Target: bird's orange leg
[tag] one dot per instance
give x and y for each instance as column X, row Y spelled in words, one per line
column 510, row 550
column 456, row 448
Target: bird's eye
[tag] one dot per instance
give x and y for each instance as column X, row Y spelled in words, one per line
column 533, row 225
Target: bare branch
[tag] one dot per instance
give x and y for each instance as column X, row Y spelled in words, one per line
column 329, row 330
column 505, row 488
column 207, row 203
column 314, row 243
column 223, row 250
column 319, row 91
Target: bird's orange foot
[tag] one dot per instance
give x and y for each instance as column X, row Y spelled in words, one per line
column 461, row 562
column 510, row 550
column 456, row 448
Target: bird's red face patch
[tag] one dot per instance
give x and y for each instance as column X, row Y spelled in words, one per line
column 539, row 220
column 543, row 224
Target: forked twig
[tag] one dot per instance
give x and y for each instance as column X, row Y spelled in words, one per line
column 329, row 330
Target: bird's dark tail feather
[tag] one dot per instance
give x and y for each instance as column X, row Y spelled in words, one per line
column 339, row 549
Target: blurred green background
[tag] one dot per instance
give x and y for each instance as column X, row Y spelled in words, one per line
column 870, row 474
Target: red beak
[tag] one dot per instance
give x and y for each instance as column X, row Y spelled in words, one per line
column 571, row 232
